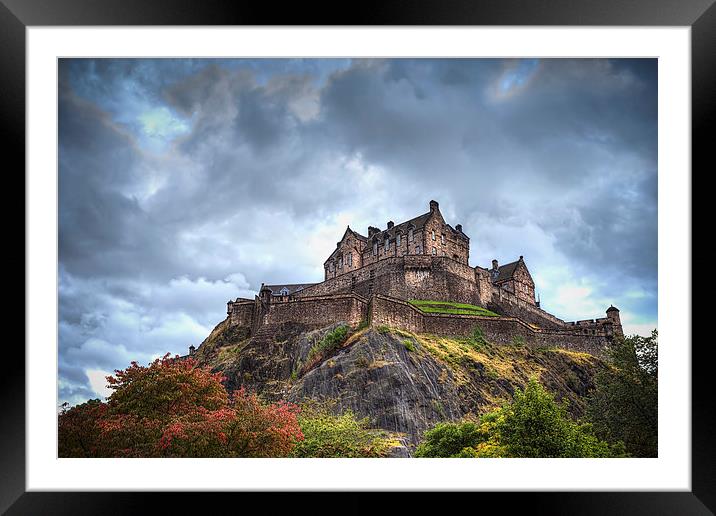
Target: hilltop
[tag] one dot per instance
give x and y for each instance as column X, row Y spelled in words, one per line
column 402, row 381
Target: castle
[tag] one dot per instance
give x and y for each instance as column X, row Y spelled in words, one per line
column 373, row 279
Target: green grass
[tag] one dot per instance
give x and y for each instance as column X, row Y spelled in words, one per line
column 447, row 307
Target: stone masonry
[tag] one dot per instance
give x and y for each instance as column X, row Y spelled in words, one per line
column 371, row 278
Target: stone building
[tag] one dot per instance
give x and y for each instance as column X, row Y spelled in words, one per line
column 426, row 234
column 371, row 278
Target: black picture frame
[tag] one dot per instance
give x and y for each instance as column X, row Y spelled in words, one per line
column 17, row 15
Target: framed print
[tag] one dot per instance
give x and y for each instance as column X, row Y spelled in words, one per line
column 177, row 157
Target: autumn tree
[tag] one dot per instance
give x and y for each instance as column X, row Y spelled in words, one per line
column 172, row 408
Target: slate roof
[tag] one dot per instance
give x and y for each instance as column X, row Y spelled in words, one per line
column 276, row 289
column 505, row 272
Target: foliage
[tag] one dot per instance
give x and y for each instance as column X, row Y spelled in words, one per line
column 409, row 345
column 624, row 404
column 329, row 435
column 174, row 409
column 532, row 425
column 448, row 307
column 78, row 429
column 330, row 341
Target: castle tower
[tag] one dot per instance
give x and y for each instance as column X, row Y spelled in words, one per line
column 613, row 315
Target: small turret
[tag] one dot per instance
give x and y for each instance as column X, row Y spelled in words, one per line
column 613, row 315
column 494, row 265
column 390, row 224
column 434, row 206
column 192, row 350
column 458, row 228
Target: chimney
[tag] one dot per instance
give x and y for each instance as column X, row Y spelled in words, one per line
column 192, row 350
column 494, row 265
column 434, row 205
column 390, row 224
column 372, row 231
column 458, row 227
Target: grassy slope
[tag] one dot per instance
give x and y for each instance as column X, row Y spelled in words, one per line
column 446, row 307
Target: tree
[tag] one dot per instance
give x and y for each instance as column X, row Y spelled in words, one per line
column 624, row 404
column 532, row 425
column 172, row 408
column 79, row 433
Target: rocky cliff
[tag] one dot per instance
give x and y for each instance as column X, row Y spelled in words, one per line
column 403, row 382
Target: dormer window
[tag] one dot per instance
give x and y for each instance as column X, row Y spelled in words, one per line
column 284, row 291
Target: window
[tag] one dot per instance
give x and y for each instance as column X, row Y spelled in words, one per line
column 433, row 234
column 387, row 244
column 442, row 238
column 435, row 251
column 284, row 291
column 350, row 259
column 375, row 247
column 397, row 240
column 340, row 262
column 410, row 235
column 418, row 250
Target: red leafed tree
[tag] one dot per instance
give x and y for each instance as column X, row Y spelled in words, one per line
column 172, row 408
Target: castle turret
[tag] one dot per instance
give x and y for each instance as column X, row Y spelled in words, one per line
column 613, row 315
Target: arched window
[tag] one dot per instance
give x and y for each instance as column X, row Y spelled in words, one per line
column 433, row 234
column 410, row 235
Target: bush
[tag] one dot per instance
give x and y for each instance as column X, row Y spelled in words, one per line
column 330, row 341
column 329, row 435
column 409, row 345
column 532, row 425
column 174, row 409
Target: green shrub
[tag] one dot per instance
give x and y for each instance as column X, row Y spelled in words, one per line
column 329, row 435
column 330, row 341
column 532, row 425
column 409, row 345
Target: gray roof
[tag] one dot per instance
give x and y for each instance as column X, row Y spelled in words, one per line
column 505, row 272
column 276, row 289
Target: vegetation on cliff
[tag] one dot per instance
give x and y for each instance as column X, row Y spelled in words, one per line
column 532, row 425
column 298, row 391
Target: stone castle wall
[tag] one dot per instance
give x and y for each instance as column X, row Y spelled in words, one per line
column 590, row 336
column 500, row 330
column 320, row 310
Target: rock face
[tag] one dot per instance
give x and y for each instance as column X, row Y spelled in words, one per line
column 402, row 382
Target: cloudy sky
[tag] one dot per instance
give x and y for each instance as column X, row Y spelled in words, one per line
column 184, row 183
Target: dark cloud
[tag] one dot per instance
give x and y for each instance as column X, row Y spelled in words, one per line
column 187, row 182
